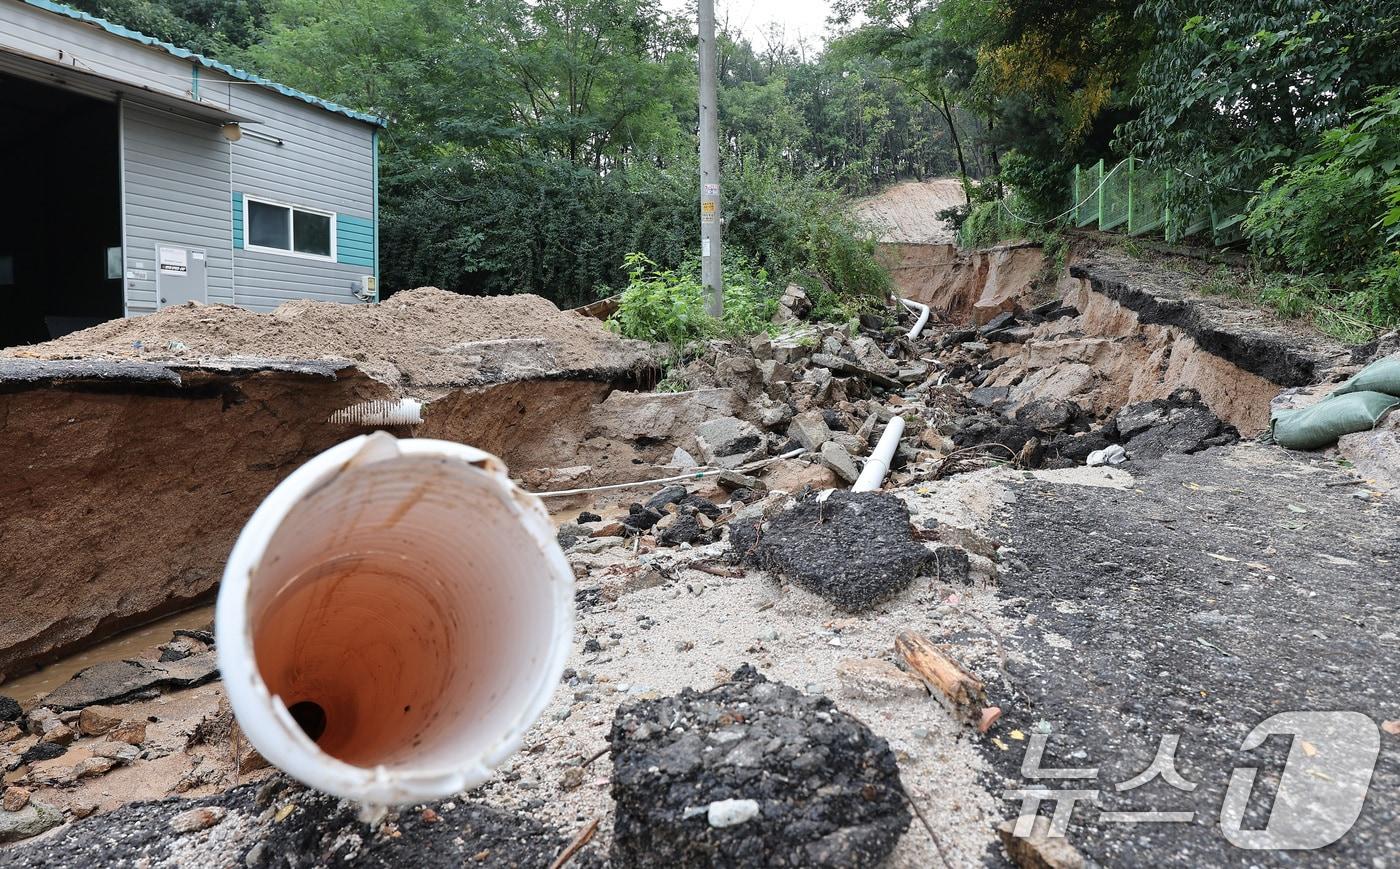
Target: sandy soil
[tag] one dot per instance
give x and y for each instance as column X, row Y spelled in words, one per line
column 420, row 339
column 906, row 212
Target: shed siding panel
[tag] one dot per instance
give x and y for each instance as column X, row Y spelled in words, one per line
column 54, row 38
column 177, row 191
column 184, row 183
column 324, row 162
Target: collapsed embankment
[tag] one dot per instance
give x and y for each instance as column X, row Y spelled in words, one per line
column 1123, row 330
column 135, row 451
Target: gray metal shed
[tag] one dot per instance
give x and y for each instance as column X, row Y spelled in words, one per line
column 135, row 174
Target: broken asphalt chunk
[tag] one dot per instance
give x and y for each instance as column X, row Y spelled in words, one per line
column 689, row 770
column 855, row 549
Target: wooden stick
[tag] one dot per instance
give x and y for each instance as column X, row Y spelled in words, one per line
column 583, row 838
column 716, row 569
column 961, row 692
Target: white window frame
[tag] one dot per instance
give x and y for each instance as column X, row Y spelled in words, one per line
column 290, row 206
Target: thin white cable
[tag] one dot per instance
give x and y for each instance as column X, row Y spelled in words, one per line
column 1102, row 181
column 1071, row 209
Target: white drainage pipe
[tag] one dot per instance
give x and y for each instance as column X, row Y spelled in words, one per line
column 403, row 411
column 922, row 310
column 878, row 465
column 393, row 619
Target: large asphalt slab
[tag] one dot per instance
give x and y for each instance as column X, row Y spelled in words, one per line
column 1224, row 588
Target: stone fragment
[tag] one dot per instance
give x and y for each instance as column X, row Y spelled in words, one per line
column 838, row 459
column 97, row 720
column 81, row 808
column 1000, row 321
column 1049, row 414
column 118, row 751
column 1039, row 850
column 10, row 709
column 810, row 430
column 666, row 497
column 989, row 396
column 798, row 782
column 130, row 732
column 730, row 481
column 730, row 442
column 869, row 354
column 200, row 818
column 90, row 767
column 31, row 820
column 14, row 799
column 794, row 475
column 59, row 733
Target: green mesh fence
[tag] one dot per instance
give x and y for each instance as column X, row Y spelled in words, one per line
column 1088, row 210
column 1115, row 196
column 1147, row 206
column 1132, row 196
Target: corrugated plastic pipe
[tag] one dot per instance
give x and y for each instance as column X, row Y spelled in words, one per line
column 393, row 619
column 878, row 465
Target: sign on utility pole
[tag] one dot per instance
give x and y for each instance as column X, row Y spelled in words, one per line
column 711, row 226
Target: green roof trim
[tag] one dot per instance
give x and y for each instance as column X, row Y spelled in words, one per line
column 186, row 54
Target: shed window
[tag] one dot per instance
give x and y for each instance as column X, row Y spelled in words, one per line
column 290, row 229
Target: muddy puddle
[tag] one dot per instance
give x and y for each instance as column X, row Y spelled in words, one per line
column 135, row 643
column 139, row 642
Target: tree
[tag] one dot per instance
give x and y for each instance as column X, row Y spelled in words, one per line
column 1229, row 92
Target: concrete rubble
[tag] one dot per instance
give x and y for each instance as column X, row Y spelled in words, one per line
column 770, row 670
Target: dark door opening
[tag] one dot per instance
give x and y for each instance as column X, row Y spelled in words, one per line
column 60, row 212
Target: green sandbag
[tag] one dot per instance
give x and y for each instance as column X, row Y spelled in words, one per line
column 1383, row 375
column 1320, row 425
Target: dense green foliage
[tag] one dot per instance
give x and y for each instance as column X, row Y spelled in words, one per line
column 212, row 27
column 661, row 304
column 1259, row 107
column 1229, row 92
column 1335, row 212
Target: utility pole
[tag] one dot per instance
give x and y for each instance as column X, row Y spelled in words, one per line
column 711, row 212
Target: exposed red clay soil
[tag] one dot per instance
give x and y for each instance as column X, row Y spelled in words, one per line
column 122, row 504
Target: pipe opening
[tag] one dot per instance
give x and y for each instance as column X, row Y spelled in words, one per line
column 408, row 615
column 310, row 717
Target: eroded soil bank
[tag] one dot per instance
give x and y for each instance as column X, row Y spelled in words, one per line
column 733, row 688
column 133, row 452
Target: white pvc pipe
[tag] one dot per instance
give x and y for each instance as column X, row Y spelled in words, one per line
column 878, row 465
column 393, row 619
column 922, row 310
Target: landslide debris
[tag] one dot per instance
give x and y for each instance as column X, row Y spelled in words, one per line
column 856, row 549
column 752, row 773
column 277, row 823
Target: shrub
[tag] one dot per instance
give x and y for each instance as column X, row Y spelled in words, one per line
column 669, row 304
column 1334, row 217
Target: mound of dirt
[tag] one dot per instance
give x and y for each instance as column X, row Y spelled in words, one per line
column 906, row 213
column 422, row 341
